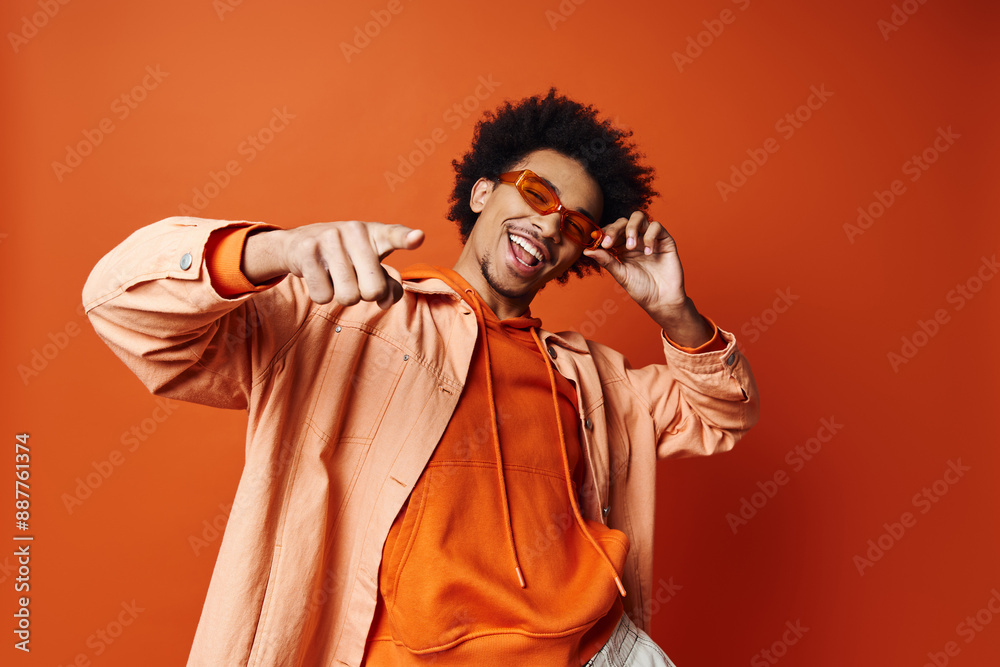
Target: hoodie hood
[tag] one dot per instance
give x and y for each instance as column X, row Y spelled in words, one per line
column 454, row 280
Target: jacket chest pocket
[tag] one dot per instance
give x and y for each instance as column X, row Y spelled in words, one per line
column 360, row 374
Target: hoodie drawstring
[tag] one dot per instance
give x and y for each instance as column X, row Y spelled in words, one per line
column 569, row 484
column 481, row 320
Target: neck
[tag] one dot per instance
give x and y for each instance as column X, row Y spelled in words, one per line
column 503, row 306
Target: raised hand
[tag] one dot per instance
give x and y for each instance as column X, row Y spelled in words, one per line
column 646, row 264
column 338, row 260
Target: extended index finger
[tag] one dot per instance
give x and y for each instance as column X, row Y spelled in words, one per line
column 388, row 238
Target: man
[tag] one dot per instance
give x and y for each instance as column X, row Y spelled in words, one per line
column 430, row 476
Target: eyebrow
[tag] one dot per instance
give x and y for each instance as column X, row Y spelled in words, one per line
column 559, row 194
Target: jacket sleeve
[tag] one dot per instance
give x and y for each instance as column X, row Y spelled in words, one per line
column 700, row 403
column 151, row 299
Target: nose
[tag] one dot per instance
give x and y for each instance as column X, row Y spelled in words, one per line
column 550, row 226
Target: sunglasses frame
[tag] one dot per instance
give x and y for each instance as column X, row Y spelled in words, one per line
column 516, row 178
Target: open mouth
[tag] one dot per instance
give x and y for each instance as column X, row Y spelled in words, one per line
column 524, row 252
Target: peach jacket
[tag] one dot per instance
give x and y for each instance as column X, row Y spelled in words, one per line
column 346, row 405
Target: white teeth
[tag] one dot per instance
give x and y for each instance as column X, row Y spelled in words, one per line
column 527, row 246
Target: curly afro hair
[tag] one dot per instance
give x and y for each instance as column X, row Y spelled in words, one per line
column 505, row 137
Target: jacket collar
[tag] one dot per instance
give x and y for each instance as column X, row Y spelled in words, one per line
column 570, row 340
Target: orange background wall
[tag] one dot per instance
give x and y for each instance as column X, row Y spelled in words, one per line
column 727, row 586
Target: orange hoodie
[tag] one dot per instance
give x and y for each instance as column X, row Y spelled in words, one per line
column 491, row 556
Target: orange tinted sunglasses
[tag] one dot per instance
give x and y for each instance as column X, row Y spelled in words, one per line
column 539, row 196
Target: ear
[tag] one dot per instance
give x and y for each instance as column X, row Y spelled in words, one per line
column 481, row 191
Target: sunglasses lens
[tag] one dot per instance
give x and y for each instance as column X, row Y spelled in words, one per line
column 537, row 194
column 581, row 230
column 574, row 230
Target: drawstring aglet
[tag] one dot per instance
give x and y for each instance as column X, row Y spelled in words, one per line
column 621, row 589
column 520, row 577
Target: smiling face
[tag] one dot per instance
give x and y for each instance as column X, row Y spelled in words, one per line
column 513, row 251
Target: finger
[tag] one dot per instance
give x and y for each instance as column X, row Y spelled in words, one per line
column 654, row 232
column 636, row 225
column 338, row 262
column 612, row 232
column 313, row 271
column 394, row 290
column 607, row 261
column 370, row 276
column 387, row 238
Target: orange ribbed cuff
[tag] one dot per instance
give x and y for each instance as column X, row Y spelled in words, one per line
column 223, row 257
column 713, row 344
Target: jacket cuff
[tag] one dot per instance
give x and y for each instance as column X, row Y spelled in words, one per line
column 716, row 369
column 711, row 345
column 224, row 257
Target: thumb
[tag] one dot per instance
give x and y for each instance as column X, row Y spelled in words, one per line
column 388, row 238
